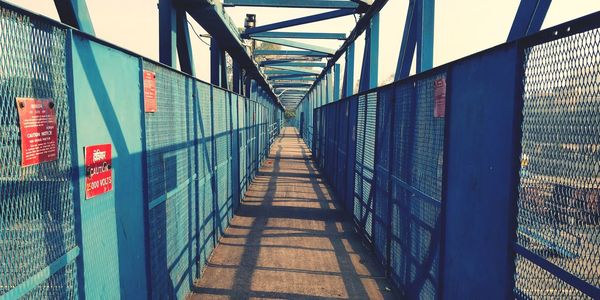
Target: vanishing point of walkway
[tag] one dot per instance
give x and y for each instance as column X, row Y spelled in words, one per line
column 289, row 239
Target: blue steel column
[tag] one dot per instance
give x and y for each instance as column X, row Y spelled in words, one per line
column 237, row 77
column 336, row 82
column 425, row 45
column 348, row 84
column 218, row 71
column 167, row 32
column 418, row 33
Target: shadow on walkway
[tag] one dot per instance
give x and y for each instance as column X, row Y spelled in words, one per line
column 290, row 240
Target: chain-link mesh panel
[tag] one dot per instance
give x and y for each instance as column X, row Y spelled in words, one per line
column 559, row 191
column 36, row 202
column 400, row 259
column 171, row 172
column 416, row 181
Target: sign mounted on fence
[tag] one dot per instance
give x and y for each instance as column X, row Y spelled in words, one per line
column 98, row 170
column 37, row 120
column 439, row 92
column 150, row 92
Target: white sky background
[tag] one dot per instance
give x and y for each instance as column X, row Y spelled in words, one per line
column 462, row 27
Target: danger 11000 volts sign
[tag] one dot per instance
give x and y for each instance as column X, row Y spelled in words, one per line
column 98, row 170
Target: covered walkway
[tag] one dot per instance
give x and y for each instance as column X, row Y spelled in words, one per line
column 290, row 239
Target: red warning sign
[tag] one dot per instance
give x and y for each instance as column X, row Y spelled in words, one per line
column 98, row 170
column 439, row 109
column 149, row 91
column 37, row 119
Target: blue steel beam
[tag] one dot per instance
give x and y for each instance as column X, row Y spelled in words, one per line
column 212, row 17
column 298, row 35
column 292, row 80
column 184, row 46
column 418, row 34
column 286, row 71
column 75, row 14
column 293, row 3
column 529, row 18
column 286, row 85
column 409, row 42
column 295, row 44
column 290, row 53
column 302, row 20
column 291, row 64
column 292, row 76
column 362, row 24
column 295, row 69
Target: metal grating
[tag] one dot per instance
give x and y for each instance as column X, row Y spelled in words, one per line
column 171, row 172
column 397, row 163
column 36, row 202
column 360, row 146
column 205, row 218
column 381, row 199
column 559, row 191
column 222, row 136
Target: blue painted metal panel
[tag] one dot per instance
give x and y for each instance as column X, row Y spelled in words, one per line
column 481, row 162
column 107, row 91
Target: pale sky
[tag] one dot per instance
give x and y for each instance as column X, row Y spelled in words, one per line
column 462, row 27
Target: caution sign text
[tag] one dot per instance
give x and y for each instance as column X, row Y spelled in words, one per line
column 37, row 120
column 98, row 170
column 149, row 92
column 439, row 109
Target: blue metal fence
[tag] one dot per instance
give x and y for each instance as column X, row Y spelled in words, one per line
column 478, row 178
column 179, row 173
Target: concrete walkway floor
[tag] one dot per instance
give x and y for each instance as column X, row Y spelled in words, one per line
column 289, row 240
